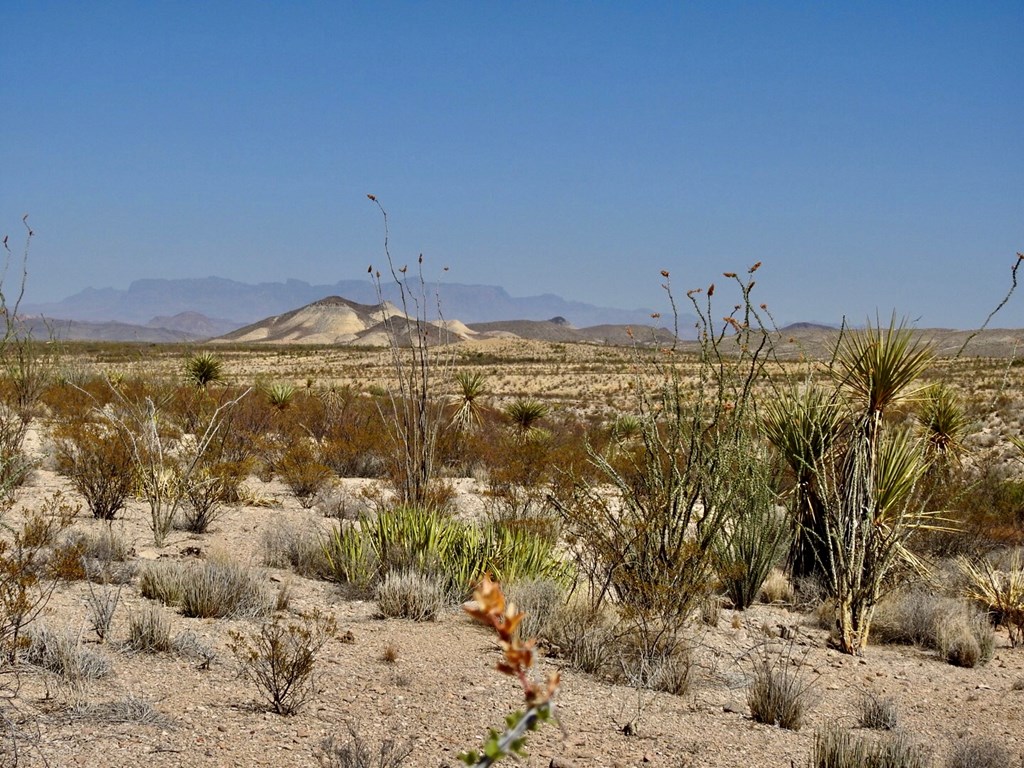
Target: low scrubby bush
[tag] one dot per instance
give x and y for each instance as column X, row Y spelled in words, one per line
column 411, row 595
column 979, row 753
column 62, row 654
column 877, row 713
column 97, row 459
column 354, row 752
column 280, row 658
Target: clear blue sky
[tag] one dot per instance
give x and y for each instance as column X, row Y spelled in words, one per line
column 870, row 154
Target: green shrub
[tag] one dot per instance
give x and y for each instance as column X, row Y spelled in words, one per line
column 349, row 556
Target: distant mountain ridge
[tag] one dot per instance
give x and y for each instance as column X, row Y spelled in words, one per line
column 242, row 303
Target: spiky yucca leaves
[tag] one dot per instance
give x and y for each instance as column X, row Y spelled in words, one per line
column 943, row 422
column 203, row 369
column 471, row 386
column 1000, row 591
column 880, row 367
column 872, row 506
column 280, row 394
column 803, row 424
column 523, row 415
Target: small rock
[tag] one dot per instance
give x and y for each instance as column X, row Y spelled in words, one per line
column 560, row 762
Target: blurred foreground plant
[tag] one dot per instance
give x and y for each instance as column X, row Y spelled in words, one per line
column 489, row 607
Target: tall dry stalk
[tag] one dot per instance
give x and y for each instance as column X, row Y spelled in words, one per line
column 422, row 366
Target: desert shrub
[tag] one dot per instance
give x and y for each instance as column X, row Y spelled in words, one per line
column 777, row 588
column 24, row 586
column 303, row 472
column 98, row 461
column 540, row 600
column 664, row 665
column 410, row 595
column 101, row 603
column 876, row 712
column 998, row 590
column 205, row 495
column 62, row 654
column 757, row 535
column 163, row 581
column 967, row 642
column 149, row 631
column 221, row 589
column 354, row 752
column 645, row 536
column 15, row 465
column 960, row 634
column 280, row 658
column 585, row 637
column 979, row 753
column 837, row 748
column 778, row 694
column 299, row 549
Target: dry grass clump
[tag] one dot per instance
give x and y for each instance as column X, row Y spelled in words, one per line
column 664, row 665
column 778, row 694
column 584, row 637
column 998, row 590
column 128, row 709
column 211, row 589
column 777, row 589
column 962, row 635
column 61, row 653
column 541, row 600
column 979, row 753
column 837, row 748
column 149, row 631
column 302, row 550
column 354, row 752
column 877, row 713
column 411, row 595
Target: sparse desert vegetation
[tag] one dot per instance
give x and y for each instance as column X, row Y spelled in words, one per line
column 730, row 554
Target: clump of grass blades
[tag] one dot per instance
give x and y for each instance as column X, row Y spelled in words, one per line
column 979, row 753
column 837, row 748
column 877, row 713
column 778, row 694
column 410, row 595
column 149, row 631
column 999, row 591
column 62, row 654
column 211, row 589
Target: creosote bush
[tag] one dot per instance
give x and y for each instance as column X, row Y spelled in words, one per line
column 98, row 461
column 280, row 658
column 354, row 752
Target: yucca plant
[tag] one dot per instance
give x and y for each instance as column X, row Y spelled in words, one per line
column 870, row 485
column 203, row 369
column 803, row 424
column 1001, row 592
column 280, row 394
column 471, row 385
column 524, row 415
column 943, row 422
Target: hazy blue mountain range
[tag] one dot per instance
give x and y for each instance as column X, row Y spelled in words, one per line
column 242, row 303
